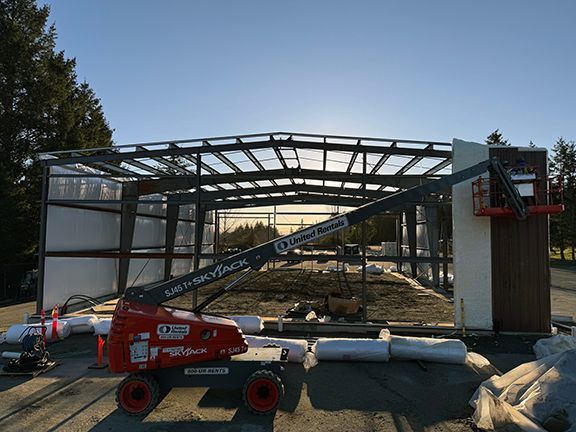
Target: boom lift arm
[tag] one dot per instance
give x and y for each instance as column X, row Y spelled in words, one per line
column 256, row 257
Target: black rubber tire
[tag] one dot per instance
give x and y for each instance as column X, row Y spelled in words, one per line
column 144, row 381
column 271, row 380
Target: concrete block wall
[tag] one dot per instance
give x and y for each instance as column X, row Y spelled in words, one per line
column 471, row 245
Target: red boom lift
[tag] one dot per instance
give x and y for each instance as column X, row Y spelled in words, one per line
column 164, row 347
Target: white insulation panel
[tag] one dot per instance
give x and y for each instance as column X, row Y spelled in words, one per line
column 96, row 277
column 91, row 229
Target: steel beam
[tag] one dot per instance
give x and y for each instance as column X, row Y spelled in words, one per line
column 288, row 199
column 381, row 161
column 265, row 190
column 139, row 154
column 438, row 167
column 212, row 256
column 150, row 186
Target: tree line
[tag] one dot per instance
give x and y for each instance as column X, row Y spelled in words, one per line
column 43, row 107
column 379, row 228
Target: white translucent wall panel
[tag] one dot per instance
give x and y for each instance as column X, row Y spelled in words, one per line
column 187, row 212
column 152, row 209
column 146, row 271
column 149, row 232
column 64, row 277
column 182, row 266
column 184, row 234
column 208, row 234
column 83, row 187
column 71, row 229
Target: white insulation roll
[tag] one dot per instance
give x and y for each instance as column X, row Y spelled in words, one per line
column 102, row 327
column 368, row 350
column 82, row 324
column 428, row 349
column 16, row 333
column 249, row 324
column 296, row 348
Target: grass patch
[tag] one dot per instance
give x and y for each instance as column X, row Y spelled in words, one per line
column 556, row 260
column 555, row 254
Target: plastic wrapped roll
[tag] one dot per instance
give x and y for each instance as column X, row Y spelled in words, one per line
column 16, row 333
column 368, row 350
column 82, row 324
column 296, row 348
column 428, row 349
column 102, row 327
column 249, row 324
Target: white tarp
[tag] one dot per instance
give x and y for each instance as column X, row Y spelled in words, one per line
column 553, row 345
column 529, row 395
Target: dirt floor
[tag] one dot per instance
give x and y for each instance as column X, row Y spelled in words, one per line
column 271, row 293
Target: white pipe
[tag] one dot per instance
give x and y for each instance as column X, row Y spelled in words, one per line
column 11, row 355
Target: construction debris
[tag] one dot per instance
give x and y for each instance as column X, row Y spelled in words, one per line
column 371, row 269
column 342, row 306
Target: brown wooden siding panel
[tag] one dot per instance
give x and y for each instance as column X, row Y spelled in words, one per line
column 520, row 262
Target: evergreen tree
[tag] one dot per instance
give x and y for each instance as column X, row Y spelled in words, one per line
column 563, row 226
column 496, row 138
column 42, row 108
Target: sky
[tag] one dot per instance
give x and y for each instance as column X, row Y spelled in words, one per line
column 429, row 70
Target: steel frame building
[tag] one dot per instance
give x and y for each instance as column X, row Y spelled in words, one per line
column 240, row 172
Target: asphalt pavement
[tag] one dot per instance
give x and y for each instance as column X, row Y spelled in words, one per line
column 563, row 291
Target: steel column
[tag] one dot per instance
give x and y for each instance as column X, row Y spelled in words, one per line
column 42, row 244
column 445, row 222
column 127, row 224
column 215, row 247
column 399, row 240
column 172, row 213
column 433, row 230
column 410, row 214
column 198, row 224
column 364, row 288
